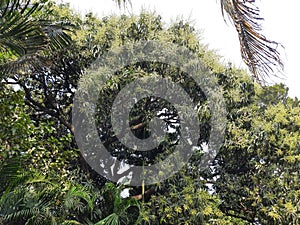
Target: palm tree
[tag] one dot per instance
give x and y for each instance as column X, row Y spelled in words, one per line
column 18, row 32
column 22, row 37
column 28, row 197
column 120, row 214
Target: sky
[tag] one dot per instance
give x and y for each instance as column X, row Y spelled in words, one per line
column 280, row 25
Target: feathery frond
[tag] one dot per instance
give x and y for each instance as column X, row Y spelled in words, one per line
column 26, row 37
column 11, row 174
column 18, row 32
column 71, row 222
column 122, row 2
column 260, row 54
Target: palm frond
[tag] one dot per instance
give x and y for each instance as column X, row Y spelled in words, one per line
column 18, row 32
column 19, row 215
column 11, row 174
column 27, row 37
column 30, row 199
column 57, row 33
column 77, row 193
column 27, row 62
column 112, row 219
column 71, row 222
column 122, row 2
column 259, row 53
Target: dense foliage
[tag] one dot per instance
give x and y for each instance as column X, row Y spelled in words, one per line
column 44, row 179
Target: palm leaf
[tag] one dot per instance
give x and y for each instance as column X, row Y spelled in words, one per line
column 71, row 222
column 26, row 37
column 18, row 32
column 57, row 33
column 112, row 219
column 12, row 174
column 78, row 193
column 260, row 54
column 27, row 62
column 17, row 204
column 120, row 2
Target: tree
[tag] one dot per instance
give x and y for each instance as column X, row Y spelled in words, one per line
column 254, row 178
column 258, row 166
column 40, row 179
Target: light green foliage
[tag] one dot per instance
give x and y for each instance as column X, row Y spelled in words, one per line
column 258, row 166
column 254, row 179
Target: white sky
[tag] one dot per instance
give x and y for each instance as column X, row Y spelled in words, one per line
column 281, row 25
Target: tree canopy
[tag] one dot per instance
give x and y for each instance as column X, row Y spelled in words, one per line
column 254, row 178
